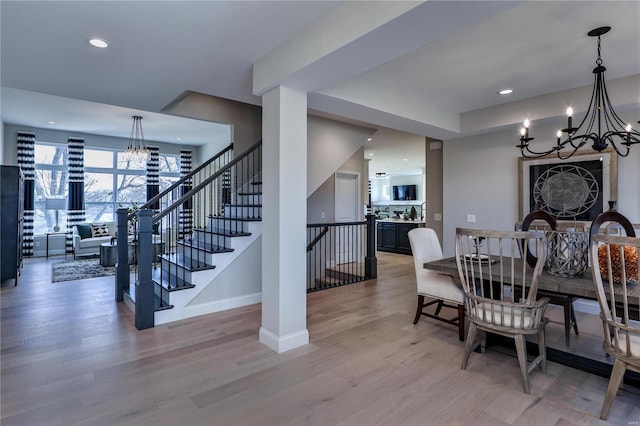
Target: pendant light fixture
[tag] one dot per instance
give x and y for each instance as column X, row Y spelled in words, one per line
column 137, row 148
column 601, row 126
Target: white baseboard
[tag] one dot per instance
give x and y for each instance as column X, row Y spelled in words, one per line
column 284, row 343
column 162, row 317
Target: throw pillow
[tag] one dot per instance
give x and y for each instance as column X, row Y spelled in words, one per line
column 99, row 230
column 84, row 230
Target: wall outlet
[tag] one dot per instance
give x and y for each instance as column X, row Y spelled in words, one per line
column 437, row 216
column 471, row 218
column 322, row 215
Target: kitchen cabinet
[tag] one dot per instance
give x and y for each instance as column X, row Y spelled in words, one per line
column 392, row 236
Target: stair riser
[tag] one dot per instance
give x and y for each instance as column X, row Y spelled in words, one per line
column 249, row 199
column 227, row 225
column 196, row 254
column 170, row 269
column 214, row 239
column 164, row 295
column 338, row 275
column 243, row 212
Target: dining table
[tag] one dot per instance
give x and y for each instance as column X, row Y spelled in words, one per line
column 556, row 286
column 579, row 286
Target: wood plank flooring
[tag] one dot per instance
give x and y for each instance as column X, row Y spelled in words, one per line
column 70, row 355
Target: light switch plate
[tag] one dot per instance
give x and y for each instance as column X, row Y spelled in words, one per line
column 471, row 218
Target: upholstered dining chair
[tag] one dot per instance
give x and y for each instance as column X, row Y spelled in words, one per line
column 440, row 289
column 615, row 264
column 501, row 291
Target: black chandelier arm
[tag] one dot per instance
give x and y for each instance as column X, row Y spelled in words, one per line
column 600, row 124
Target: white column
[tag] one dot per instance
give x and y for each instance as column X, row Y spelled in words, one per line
column 284, row 218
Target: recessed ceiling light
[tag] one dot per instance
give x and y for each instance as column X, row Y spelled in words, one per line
column 405, row 159
column 505, row 92
column 369, row 139
column 371, row 154
column 178, row 139
column 98, row 42
column 51, row 122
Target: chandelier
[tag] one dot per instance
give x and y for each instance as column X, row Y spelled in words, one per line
column 609, row 128
column 137, row 149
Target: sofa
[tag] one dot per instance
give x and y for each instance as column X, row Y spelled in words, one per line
column 87, row 237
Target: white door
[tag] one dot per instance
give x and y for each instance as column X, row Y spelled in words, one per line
column 347, row 209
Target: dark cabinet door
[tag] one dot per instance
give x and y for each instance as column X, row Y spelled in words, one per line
column 379, row 236
column 11, row 203
column 403, row 237
column 389, row 238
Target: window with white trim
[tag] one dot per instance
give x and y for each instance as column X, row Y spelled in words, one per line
column 111, row 180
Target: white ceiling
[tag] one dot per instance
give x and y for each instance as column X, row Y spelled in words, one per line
column 416, row 73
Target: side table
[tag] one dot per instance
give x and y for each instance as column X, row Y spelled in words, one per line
column 47, row 234
column 108, row 254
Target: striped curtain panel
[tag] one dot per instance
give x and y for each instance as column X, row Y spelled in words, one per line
column 75, row 207
column 185, row 218
column 153, row 175
column 26, row 159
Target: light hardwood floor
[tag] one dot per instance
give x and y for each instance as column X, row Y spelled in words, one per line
column 71, row 355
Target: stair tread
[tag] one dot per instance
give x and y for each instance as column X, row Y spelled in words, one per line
column 239, row 219
column 204, row 246
column 157, row 305
column 242, row 205
column 188, row 264
column 250, row 193
column 178, row 283
column 218, row 231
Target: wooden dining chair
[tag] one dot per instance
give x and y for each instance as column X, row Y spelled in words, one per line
column 542, row 221
column 615, row 264
column 501, row 291
column 440, row 289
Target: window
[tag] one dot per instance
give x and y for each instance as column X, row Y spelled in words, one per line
column 51, row 181
column 111, row 180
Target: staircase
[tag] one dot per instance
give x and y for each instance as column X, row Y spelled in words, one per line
column 210, row 225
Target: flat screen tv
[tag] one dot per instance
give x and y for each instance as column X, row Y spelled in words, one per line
column 404, row 192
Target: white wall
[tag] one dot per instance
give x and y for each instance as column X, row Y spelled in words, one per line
column 90, row 140
column 481, row 178
column 378, row 195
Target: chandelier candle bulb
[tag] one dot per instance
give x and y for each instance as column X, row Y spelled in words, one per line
column 526, row 128
column 569, row 115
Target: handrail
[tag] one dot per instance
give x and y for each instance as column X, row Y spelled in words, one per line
column 318, row 238
column 184, row 198
column 316, row 225
column 180, row 181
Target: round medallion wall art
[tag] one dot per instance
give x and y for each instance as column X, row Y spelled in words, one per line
column 566, row 190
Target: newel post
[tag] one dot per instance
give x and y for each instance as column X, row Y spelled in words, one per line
column 144, row 284
column 371, row 262
column 122, row 268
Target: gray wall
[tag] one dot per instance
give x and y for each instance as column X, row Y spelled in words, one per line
column 433, row 183
column 2, row 142
column 246, row 119
column 323, row 199
column 481, row 177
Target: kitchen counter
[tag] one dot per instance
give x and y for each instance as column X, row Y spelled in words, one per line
column 399, row 220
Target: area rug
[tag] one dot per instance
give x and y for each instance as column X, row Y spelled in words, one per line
column 79, row 270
